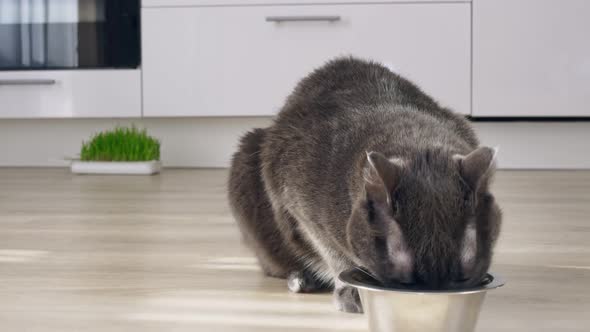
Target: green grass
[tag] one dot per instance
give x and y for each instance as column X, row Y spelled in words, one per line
column 121, row 144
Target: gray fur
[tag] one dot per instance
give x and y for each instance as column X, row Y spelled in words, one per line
column 362, row 169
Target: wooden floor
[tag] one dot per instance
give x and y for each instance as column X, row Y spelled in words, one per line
column 94, row 253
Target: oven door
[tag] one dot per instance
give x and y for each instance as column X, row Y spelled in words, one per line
column 69, row 34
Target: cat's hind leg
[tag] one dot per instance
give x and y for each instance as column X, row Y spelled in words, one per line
column 280, row 247
column 253, row 211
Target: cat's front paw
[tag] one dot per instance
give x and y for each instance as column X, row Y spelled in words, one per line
column 305, row 282
column 347, row 299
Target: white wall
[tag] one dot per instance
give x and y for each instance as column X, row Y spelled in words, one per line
column 538, row 145
column 186, row 142
column 209, row 142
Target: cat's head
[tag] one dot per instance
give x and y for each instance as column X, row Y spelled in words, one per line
column 430, row 221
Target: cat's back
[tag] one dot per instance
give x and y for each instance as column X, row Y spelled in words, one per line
column 341, row 110
column 349, row 83
column 347, row 94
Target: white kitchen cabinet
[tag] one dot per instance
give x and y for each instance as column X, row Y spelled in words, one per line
column 234, row 61
column 531, row 58
column 70, row 94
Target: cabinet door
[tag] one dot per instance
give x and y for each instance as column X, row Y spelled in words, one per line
column 531, row 58
column 237, row 61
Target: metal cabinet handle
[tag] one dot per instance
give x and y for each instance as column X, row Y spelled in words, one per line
column 28, row 82
column 279, row 19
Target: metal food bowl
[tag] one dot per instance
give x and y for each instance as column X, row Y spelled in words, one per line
column 415, row 310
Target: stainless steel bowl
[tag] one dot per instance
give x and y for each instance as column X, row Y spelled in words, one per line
column 408, row 310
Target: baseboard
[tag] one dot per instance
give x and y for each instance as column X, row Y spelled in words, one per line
column 209, row 142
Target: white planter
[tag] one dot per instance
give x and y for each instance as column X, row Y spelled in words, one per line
column 116, row 167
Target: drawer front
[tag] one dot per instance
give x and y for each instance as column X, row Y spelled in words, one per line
column 225, row 61
column 70, row 94
column 172, row 3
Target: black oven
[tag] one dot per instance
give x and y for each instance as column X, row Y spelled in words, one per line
column 69, row 34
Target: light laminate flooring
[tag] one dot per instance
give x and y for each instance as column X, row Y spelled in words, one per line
column 162, row 253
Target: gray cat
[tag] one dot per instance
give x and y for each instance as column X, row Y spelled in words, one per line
column 362, row 169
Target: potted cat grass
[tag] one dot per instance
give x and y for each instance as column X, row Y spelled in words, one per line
column 123, row 150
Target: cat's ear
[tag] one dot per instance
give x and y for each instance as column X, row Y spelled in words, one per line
column 382, row 177
column 477, row 167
